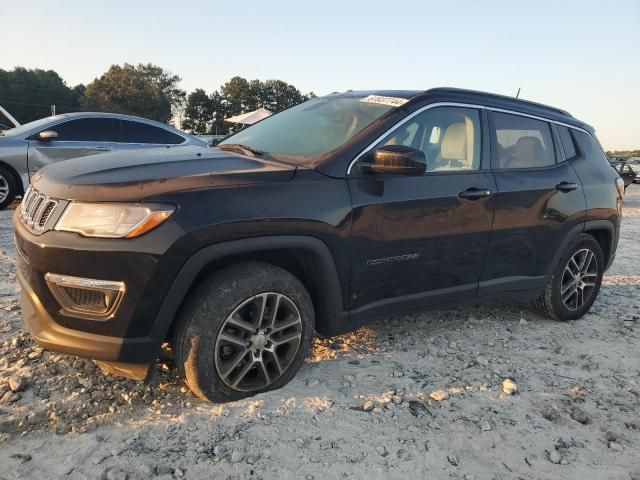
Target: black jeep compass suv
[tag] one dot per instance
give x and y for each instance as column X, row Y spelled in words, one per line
column 317, row 219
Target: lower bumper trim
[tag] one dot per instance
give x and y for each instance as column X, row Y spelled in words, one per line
column 50, row 335
column 133, row 371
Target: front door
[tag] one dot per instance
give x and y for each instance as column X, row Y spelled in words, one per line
column 79, row 137
column 421, row 240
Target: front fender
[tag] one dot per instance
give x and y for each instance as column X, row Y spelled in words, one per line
column 331, row 317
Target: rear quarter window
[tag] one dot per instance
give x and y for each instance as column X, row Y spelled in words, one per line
column 588, row 147
column 136, row 132
column 568, row 145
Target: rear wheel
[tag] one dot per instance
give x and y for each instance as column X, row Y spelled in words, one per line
column 8, row 187
column 575, row 282
column 246, row 330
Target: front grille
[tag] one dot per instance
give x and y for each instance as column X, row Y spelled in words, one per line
column 86, row 298
column 46, row 213
column 36, row 209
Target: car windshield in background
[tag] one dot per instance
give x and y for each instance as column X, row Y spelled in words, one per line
column 312, row 128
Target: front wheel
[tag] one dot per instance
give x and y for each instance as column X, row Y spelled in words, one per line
column 245, row 330
column 8, row 187
column 575, row 282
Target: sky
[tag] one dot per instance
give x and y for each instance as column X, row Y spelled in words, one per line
column 582, row 56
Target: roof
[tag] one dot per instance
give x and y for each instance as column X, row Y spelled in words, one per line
column 502, row 102
column 495, row 96
column 449, row 94
column 121, row 116
column 408, row 94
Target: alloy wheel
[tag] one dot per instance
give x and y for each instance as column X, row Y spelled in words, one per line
column 258, row 341
column 579, row 279
column 4, row 188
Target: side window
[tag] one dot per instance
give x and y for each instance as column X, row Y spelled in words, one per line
column 567, row 142
column 522, row 142
column 588, row 147
column 86, row 130
column 136, row 132
column 448, row 136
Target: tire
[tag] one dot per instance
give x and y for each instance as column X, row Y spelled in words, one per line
column 8, row 187
column 551, row 303
column 208, row 343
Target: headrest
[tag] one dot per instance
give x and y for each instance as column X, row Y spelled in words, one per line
column 526, row 150
column 454, row 142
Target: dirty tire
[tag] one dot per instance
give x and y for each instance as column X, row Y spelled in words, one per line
column 206, row 312
column 8, row 186
column 550, row 303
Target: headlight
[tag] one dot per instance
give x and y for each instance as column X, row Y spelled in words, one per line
column 112, row 220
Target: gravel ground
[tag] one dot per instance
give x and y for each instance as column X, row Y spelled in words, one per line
column 412, row 396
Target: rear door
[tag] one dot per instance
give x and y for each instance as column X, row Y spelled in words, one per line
column 79, row 137
column 421, row 240
column 539, row 199
column 135, row 135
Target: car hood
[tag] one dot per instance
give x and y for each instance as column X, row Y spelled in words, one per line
column 139, row 174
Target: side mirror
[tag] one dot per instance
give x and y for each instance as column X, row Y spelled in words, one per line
column 396, row 160
column 47, row 136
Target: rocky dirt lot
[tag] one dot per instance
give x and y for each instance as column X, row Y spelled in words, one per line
column 418, row 396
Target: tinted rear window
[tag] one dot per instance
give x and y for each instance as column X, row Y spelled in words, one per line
column 522, row 142
column 135, row 132
column 567, row 142
column 86, row 130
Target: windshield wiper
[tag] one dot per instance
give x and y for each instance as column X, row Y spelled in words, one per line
column 242, row 148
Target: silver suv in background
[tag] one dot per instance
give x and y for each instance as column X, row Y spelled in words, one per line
column 29, row 147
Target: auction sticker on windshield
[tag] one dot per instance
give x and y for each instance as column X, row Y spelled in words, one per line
column 382, row 100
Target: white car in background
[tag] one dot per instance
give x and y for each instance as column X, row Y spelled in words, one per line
column 27, row 148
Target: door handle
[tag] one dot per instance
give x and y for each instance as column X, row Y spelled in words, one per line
column 566, row 187
column 101, row 148
column 474, row 193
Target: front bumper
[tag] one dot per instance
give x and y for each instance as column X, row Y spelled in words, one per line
column 125, row 340
column 51, row 336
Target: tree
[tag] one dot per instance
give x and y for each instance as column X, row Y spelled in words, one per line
column 28, row 94
column 144, row 90
column 236, row 96
column 205, row 114
column 241, row 95
column 198, row 113
column 219, row 126
column 278, row 95
column 624, row 153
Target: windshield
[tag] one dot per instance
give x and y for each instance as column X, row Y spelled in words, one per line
column 311, row 128
column 28, row 126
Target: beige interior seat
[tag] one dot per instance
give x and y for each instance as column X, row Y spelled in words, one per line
column 456, row 149
column 526, row 151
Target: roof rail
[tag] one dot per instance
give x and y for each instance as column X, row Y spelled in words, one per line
column 499, row 97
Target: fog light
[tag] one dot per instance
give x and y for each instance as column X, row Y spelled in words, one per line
column 86, row 297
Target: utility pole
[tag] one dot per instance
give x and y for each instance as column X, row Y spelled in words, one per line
column 53, row 110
